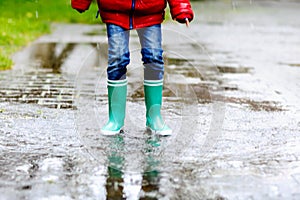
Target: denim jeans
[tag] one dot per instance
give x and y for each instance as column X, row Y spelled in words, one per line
column 119, row 56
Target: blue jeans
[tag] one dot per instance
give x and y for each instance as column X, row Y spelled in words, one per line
column 119, row 56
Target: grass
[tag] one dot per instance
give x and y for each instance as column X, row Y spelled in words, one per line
column 22, row 21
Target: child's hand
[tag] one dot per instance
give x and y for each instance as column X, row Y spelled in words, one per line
column 184, row 18
column 181, row 11
column 81, row 5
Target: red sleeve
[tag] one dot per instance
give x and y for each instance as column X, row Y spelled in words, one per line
column 181, row 9
column 81, row 4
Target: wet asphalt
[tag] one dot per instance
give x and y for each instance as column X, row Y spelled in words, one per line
column 230, row 95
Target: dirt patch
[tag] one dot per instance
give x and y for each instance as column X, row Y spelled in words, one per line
column 291, row 64
column 270, row 106
column 234, row 70
column 294, row 65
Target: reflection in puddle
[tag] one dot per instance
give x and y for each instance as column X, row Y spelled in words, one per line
column 114, row 183
column 121, row 183
column 46, row 55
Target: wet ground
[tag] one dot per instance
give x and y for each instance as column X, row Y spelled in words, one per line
column 231, row 97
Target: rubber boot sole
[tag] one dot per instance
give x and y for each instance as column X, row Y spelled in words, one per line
column 160, row 133
column 112, row 133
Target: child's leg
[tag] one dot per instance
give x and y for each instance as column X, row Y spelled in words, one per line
column 150, row 39
column 118, row 52
column 118, row 59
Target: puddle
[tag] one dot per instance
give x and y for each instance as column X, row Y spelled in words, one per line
column 60, row 154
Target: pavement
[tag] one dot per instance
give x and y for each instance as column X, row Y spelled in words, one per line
column 230, row 96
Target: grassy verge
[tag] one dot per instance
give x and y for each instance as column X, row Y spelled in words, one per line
column 22, row 21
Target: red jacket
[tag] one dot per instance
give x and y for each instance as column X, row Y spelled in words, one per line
column 131, row 14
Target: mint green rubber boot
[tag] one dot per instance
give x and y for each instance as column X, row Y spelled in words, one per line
column 153, row 100
column 117, row 92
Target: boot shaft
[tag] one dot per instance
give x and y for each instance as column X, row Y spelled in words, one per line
column 153, row 92
column 153, row 102
column 117, row 93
